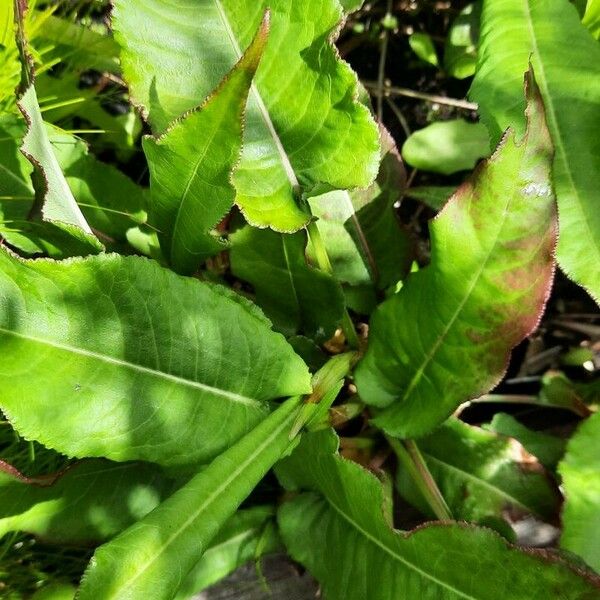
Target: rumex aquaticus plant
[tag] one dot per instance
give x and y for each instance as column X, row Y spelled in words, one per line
column 165, row 348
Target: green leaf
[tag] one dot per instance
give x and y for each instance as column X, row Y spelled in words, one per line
column 191, row 164
column 339, row 531
column 567, row 64
column 364, row 239
column 423, row 47
column 149, row 559
column 481, row 475
column 446, row 336
column 55, row 591
column 591, row 18
column 53, row 195
column 333, row 210
column 547, row 448
column 447, row 146
column 434, row 196
column 134, row 362
column 174, row 55
column 85, row 47
column 351, row 6
column 110, row 201
column 580, row 471
column 296, row 297
column 86, row 503
column 247, row 536
column 460, row 51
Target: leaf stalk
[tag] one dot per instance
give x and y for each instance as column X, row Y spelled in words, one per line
column 409, row 454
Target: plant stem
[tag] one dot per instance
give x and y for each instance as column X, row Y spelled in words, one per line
column 325, row 265
column 412, row 459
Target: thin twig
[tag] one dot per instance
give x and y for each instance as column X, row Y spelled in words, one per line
column 400, row 116
column 399, row 91
column 385, row 38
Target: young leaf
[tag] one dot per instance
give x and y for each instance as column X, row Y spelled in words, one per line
column 134, row 362
column 447, row 146
column 567, row 63
column 53, row 195
column 447, row 335
column 423, row 47
column 247, row 536
column 580, row 470
column 88, row 502
column 340, row 528
column 460, row 51
column 149, row 559
column 296, row 297
column 547, row 448
column 173, row 55
column 481, row 475
column 191, row 164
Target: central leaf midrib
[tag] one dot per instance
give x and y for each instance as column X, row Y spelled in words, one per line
column 108, row 359
column 390, row 552
column 438, row 342
column 551, row 111
column 481, row 482
column 224, row 485
column 264, row 112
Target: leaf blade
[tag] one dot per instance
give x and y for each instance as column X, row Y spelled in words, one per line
column 135, row 564
column 580, row 470
column 502, row 277
column 566, row 59
column 342, row 517
column 191, row 165
column 290, row 139
column 167, row 345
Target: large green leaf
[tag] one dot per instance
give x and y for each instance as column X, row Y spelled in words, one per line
column 149, row 559
column 580, row 470
column 567, row 64
column 340, row 532
column 115, row 356
column 481, row 475
column 191, row 164
column 447, row 335
column 295, row 296
column 174, row 54
column 89, row 502
column 247, row 536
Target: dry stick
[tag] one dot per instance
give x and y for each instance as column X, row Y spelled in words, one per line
column 399, row 91
column 410, row 456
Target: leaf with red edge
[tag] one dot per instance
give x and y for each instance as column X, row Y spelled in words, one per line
column 446, row 336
